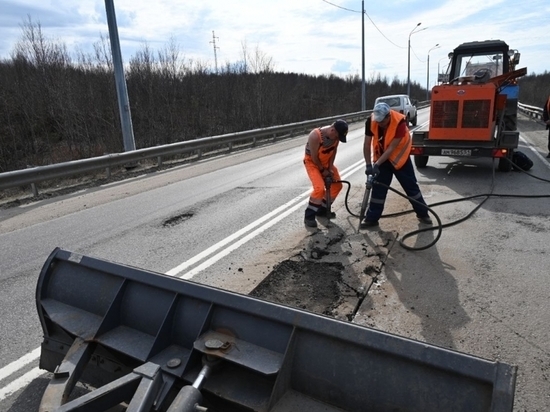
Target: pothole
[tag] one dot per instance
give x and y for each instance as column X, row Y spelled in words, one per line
column 315, row 287
column 176, row 220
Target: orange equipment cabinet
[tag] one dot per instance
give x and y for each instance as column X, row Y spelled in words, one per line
column 463, row 112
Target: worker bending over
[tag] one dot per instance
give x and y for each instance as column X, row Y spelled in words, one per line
column 321, row 147
column 388, row 140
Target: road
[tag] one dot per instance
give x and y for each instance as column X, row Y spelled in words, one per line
column 482, row 289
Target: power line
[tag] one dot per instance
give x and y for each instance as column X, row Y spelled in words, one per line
column 343, row 8
column 366, row 14
column 417, row 58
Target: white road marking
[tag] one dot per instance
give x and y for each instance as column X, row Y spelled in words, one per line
column 19, row 363
column 273, row 217
column 245, row 239
column 197, row 258
column 532, row 147
column 20, row 382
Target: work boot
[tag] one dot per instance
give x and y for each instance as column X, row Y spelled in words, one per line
column 322, row 211
column 425, row 219
column 309, row 219
column 368, row 223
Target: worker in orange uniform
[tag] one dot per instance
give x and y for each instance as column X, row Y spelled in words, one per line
column 387, row 137
column 321, row 147
column 546, row 119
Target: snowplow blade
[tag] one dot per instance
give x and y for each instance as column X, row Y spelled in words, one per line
column 150, row 342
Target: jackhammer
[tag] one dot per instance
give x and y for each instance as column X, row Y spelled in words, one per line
column 366, row 196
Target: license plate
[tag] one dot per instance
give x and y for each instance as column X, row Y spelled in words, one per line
column 456, row 152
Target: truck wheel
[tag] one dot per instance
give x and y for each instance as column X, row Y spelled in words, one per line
column 504, row 164
column 420, row 161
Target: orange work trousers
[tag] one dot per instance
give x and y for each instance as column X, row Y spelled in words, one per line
column 318, row 194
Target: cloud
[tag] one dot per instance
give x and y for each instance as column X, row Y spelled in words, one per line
column 306, row 36
column 340, row 66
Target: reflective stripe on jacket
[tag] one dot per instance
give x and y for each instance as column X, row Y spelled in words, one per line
column 402, row 152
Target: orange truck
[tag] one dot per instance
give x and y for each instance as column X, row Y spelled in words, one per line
column 474, row 113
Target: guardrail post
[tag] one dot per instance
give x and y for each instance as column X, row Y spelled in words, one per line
column 230, row 146
column 33, row 185
column 108, row 168
column 34, row 190
column 159, row 161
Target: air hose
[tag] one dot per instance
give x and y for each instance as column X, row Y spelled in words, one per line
column 440, row 226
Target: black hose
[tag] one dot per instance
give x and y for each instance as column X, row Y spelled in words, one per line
column 440, row 226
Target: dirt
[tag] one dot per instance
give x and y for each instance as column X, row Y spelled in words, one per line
column 306, row 285
column 331, row 276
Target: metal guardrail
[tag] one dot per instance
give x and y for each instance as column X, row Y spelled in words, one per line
column 37, row 174
column 33, row 175
column 421, row 105
column 531, row 111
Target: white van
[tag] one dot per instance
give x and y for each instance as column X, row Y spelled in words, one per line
column 402, row 104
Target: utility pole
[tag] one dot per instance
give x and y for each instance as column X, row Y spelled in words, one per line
column 215, row 47
column 120, row 80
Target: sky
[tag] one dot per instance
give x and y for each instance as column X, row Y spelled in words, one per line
column 316, row 37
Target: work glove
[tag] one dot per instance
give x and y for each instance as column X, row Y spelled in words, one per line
column 373, row 170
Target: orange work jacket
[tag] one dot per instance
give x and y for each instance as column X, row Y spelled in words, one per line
column 403, row 150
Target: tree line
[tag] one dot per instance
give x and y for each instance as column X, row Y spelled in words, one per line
column 56, row 107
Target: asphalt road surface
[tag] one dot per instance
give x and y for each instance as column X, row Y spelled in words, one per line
column 481, row 289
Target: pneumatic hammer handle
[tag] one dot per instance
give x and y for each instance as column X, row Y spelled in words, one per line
column 366, row 197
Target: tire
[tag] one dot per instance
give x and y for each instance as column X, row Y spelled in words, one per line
column 415, row 120
column 504, row 165
column 421, row 161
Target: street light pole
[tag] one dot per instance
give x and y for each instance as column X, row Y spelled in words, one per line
column 409, row 61
column 120, row 81
column 428, row 73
